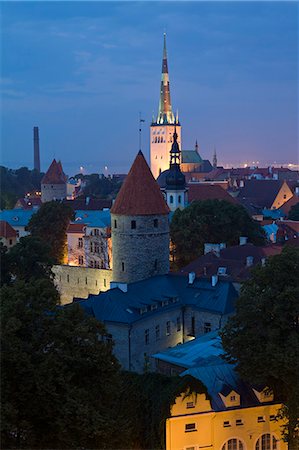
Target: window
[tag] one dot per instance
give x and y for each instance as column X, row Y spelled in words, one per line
column 190, row 448
column 272, row 417
column 233, row 444
column 239, row 422
column 190, row 405
column 115, row 223
column 232, row 398
column 104, row 282
column 171, row 199
column 192, row 333
column 190, row 427
column 91, row 264
column 10, row 241
column 207, row 327
column 80, row 242
column 261, row 419
column 226, row 424
column 157, row 332
column 178, row 324
column 156, row 264
column 266, row 442
column 80, row 259
column 123, row 266
column 156, row 223
column 68, row 278
column 179, row 199
column 86, row 280
column 96, row 232
column 133, row 224
column 168, row 328
column 146, row 336
column 96, row 248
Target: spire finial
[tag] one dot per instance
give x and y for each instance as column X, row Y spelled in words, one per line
column 196, row 146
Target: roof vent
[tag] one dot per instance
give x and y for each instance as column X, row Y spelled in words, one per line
column 191, row 277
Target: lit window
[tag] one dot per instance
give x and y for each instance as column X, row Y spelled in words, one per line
column 190, row 427
column 233, row 444
column 266, row 442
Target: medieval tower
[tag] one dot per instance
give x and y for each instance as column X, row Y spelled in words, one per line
column 53, row 184
column 163, row 127
column 139, row 227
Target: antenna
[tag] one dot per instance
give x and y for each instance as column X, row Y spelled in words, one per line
column 140, row 122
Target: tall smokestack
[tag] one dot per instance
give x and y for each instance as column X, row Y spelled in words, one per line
column 36, row 149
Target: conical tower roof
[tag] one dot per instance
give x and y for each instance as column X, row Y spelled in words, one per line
column 140, row 194
column 54, row 174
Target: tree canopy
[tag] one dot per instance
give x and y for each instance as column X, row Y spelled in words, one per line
column 60, row 380
column 212, row 221
column 263, row 336
column 49, row 224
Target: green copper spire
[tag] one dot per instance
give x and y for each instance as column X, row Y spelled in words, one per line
column 165, row 114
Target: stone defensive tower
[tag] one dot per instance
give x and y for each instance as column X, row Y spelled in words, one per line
column 162, row 128
column 53, row 184
column 140, row 227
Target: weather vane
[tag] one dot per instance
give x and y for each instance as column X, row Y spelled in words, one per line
column 140, row 122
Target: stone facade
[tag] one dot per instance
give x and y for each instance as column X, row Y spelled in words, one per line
column 72, row 281
column 140, row 246
column 161, row 139
column 53, row 192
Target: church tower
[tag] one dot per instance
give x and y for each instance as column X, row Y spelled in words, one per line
column 175, row 187
column 163, row 127
column 139, row 227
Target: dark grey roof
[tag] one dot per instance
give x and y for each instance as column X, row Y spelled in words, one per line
column 165, row 291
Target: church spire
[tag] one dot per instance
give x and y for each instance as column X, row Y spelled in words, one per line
column 165, row 114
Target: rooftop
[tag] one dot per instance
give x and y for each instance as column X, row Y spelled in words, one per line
column 6, row 230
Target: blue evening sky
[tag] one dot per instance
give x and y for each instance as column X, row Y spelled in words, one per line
column 82, row 71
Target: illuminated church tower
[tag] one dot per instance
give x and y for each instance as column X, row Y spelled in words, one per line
column 162, row 128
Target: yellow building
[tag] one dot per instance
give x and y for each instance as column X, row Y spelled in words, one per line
column 231, row 415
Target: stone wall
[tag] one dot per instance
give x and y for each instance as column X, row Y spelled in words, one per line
column 72, row 281
column 53, row 192
column 141, row 252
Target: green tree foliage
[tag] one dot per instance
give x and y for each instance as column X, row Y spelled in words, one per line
column 16, row 183
column 211, row 221
column 147, row 400
column 294, row 212
column 100, row 187
column 60, row 381
column 49, row 224
column 263, row 336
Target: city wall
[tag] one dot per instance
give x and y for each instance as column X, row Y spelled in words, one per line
column 74, row 281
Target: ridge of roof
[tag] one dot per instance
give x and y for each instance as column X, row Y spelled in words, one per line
column 140, row 194
column 54, row 174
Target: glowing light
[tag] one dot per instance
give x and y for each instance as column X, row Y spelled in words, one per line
column 245, row 165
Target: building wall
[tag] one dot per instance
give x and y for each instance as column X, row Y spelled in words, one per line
column 210, row 431
column 72, row 281
column 53, row 192
column 74, row 250
column 159, row 151
column 8, row 242
column 282, row 197
column 179, row 199
column 142, row 252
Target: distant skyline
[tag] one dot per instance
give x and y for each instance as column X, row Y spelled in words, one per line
column 83, row 71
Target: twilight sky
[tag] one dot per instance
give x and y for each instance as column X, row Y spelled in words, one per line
column 82, row 71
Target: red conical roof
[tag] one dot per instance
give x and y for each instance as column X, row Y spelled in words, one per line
column 54, row 174
column 140, row 194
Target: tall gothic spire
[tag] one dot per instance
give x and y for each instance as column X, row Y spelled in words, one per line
column 165, row 114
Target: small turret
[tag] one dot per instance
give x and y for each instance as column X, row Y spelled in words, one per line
column 175, row 187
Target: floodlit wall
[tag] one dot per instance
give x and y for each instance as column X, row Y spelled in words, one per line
column 72, row 281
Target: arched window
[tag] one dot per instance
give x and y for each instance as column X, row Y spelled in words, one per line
column 233, row 444
column 171, row 199
column 156, row 139
column 179, row 199
column 266, row 442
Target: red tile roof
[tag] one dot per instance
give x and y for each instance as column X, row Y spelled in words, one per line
column 140, row 194
column 261, row 193
column 209, row 192
column 76, row 228
column 6, row 230
column 54, row 174
column 89, row 204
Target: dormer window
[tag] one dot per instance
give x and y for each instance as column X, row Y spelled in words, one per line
column 229, row 398
column 264, row 395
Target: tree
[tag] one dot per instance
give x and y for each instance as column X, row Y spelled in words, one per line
column 294, row 212
column 30, row 258
column 60, row 381
column 263, row 336
column 50, row 224
column 211, row 221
